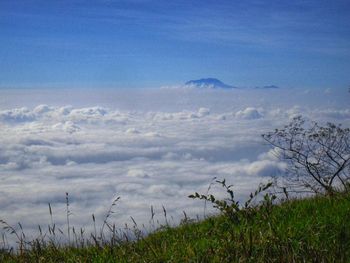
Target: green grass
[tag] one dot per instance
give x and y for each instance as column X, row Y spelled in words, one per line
column 308, row 230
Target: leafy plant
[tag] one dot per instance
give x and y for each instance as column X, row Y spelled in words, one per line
column 229, row 206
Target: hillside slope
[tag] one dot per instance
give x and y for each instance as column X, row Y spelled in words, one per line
column 308, row 230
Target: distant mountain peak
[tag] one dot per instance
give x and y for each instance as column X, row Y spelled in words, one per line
column 268, row 87
column 212, row 83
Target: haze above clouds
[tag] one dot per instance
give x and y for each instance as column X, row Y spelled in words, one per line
column 151, row 147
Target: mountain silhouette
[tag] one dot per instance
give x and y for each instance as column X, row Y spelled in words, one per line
column 208, row 83
column 268, row 87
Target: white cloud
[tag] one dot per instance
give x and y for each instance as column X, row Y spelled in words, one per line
column 42, row 109
column 249, row 113
column 17, row 115
column 138, row 173
column 171, row 145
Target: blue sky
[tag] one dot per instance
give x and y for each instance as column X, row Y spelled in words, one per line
column 145, row 43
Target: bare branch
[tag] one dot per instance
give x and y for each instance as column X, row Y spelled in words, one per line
column 317, row 156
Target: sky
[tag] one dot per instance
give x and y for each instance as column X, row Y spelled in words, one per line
column 146, row 43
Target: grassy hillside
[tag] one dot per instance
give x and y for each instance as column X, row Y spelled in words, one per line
column 308, row 230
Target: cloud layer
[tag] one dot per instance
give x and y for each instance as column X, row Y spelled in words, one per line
column 146, row 156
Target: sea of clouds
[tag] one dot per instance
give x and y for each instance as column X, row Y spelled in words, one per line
column 150, row 147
